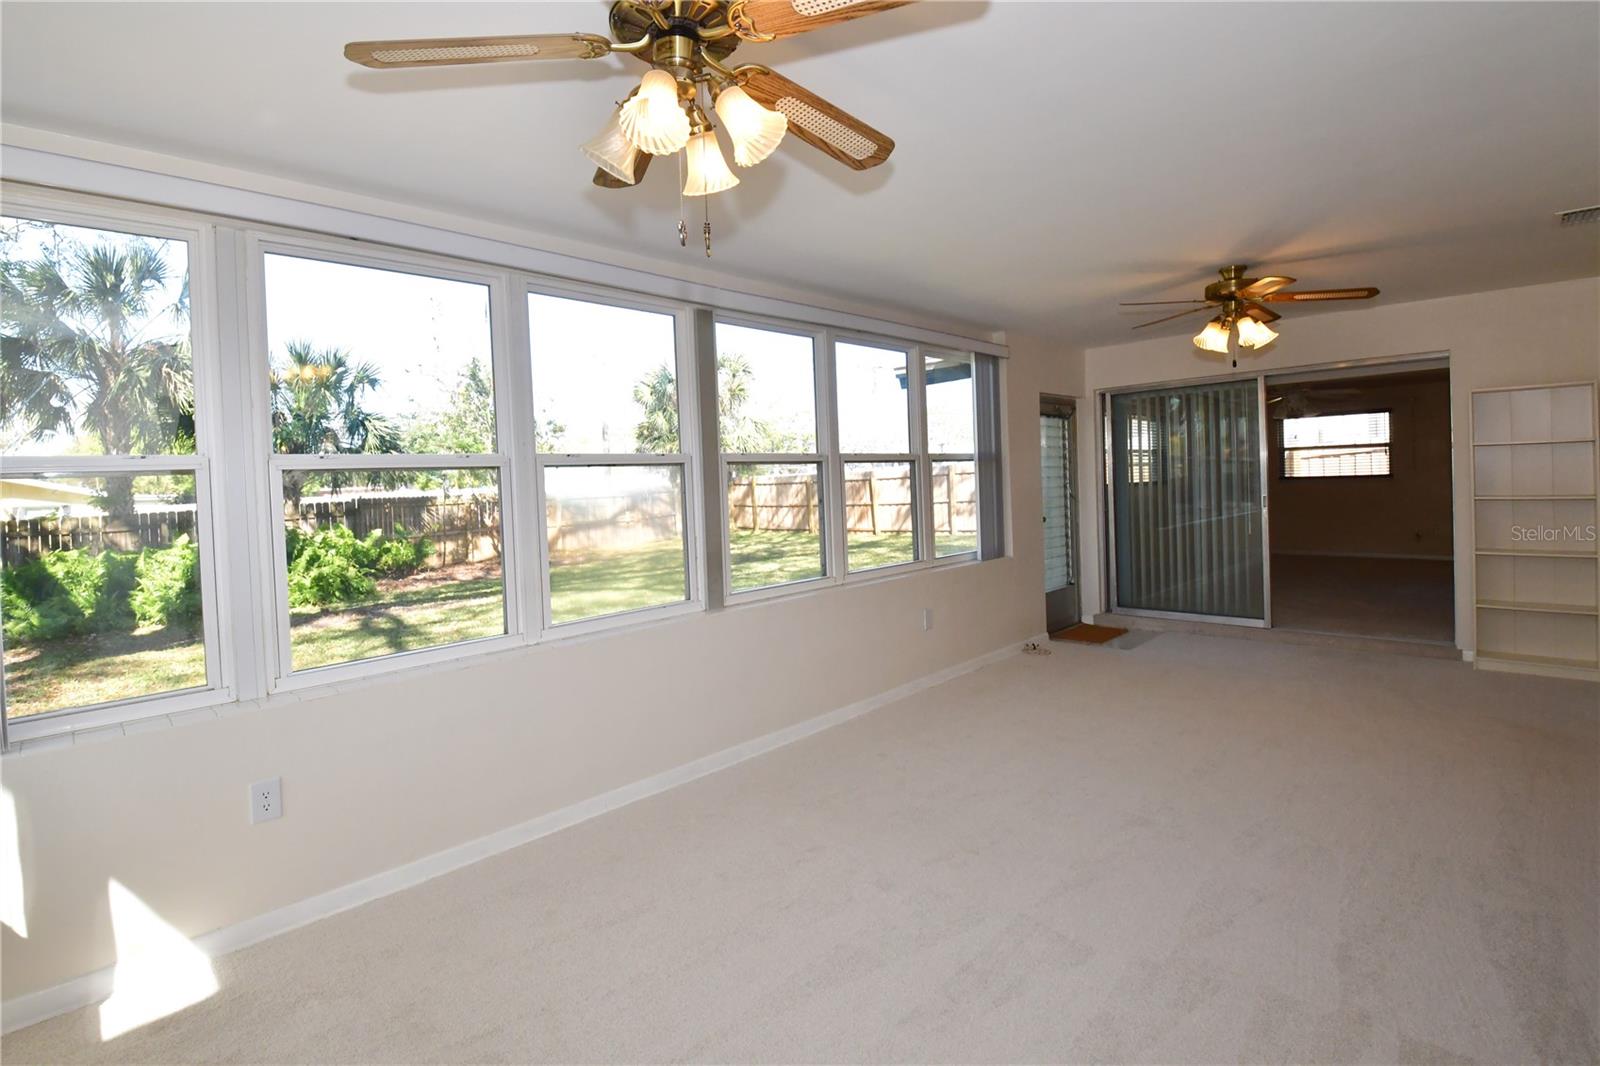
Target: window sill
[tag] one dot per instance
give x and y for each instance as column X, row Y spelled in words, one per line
column 28, row 738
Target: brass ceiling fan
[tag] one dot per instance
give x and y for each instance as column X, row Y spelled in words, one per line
column 1241, row 300
column 687, row 44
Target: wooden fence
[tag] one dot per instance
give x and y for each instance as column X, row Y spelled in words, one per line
column 873, row 503
column 22, row 539
column 467, row 529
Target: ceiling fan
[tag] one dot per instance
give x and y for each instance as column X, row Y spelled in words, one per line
column 687, row 44
column 1241, row 300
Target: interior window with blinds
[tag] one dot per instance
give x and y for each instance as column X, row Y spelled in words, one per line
column 1344, row 445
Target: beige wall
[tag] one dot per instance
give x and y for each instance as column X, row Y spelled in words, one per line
column 1532, row 335
column 387, row 773
column 1404, row 514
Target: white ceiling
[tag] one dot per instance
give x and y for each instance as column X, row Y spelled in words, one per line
column 1052, row 158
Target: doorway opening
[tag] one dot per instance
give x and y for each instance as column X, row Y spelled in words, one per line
column 1061, row 604
column 1359, row 494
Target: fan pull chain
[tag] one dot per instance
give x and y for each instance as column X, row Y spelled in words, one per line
column 708, row 226
column 683, row 226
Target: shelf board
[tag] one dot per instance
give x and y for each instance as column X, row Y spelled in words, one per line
column 1533, row 553
column 1520, row 443
column 1546, row 496
column 1539, row 608
column 1539, row 660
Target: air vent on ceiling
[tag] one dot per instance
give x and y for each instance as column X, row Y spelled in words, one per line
column 1579, row 215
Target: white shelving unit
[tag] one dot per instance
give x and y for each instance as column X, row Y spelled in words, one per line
column 1536, row 568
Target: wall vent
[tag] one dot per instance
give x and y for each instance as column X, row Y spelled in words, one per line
column 1579, row 215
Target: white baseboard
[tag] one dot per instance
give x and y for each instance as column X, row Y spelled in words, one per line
column 83, row 991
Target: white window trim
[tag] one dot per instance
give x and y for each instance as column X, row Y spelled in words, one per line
column 821, row 401
column 239, row 559
column 687, row 460
column 916, row 440
column 214, row 557
column 930, row 458
column 260, row 244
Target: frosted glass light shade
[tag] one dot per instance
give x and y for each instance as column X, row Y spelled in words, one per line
column 653, row 119
column 614, row 153
column 1253, row 334
column 708, row 170
column 755, row 131
column 1214, row 338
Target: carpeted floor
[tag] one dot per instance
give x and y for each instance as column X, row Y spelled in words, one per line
column 1400, row 599
column 1198, row 849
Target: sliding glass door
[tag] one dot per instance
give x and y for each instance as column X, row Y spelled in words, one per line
column 1187, row 493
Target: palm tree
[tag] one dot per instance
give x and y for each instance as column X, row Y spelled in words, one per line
column 317, row 397
column 78, row 351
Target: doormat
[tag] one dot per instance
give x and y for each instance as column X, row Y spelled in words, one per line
column 1084, row 633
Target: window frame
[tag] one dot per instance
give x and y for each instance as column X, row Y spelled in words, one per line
column 281, row 675
column 823, row 401
column 239, row 515
column 915, row 459
column 688, row 458
column 929, row 458
column 55, row 208
column 1387, row 445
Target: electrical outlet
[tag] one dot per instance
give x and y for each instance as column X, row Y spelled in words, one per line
column 927, row 619
column 266, row 800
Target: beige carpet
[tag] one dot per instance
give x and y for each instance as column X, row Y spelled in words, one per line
column 1198, row 850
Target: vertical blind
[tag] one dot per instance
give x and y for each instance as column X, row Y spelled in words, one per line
column 1057, row 502
column 1186, row 482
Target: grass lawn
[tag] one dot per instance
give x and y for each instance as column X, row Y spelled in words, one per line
column 409, row 615
column 101, row 667
column 432, row 608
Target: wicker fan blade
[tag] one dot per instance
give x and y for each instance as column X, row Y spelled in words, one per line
column 1263, row 315
column 1312, row 295
column 607, row 180
column 1261, row 286
column 819, row 123
column 1169, row 318
column 1158, row 303
column 453, row 51
column 785, row 18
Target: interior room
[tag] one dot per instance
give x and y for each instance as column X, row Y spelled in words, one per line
column 799, row 531
column 1359, row 493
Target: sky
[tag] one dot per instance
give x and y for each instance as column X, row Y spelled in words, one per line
column 421, row 333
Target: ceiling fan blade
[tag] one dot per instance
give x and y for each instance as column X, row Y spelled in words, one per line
column 1313, row 295
column 1169, row 318
column 453, row 51
column 819, row 123
column 607, row 180
column 1158, row 303
column 785, row 18
column 1261, row 314
column 1261, row 286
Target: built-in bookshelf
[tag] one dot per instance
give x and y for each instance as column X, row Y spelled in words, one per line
column 1536, row 565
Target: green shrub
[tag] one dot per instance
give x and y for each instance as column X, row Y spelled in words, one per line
column 331, row 565
column 168, row 589
column 398, row 555
column 326, row 569
column 62, row 593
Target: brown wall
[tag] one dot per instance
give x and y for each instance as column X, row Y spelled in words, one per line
column 1407, row 513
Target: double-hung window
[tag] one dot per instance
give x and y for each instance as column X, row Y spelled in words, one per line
column 875, row 388
column 772, row 463
column 950, row 402
column 1343, row 445
column 614, row 465
column 387, row 467
column 108, row 424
